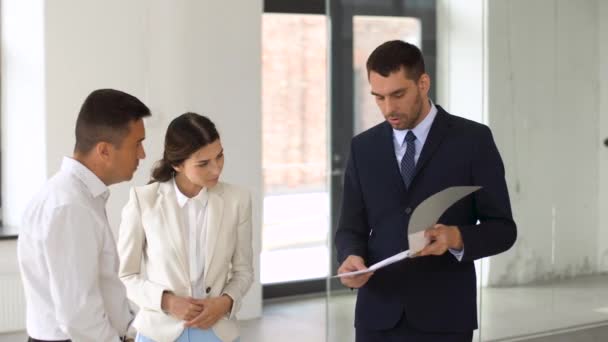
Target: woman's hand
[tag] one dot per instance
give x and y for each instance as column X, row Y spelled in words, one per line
column 213, row 310
column 183, row 308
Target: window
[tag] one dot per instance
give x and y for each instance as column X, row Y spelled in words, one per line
column 294, row 111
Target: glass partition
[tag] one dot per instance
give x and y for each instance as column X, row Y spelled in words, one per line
column 545, row 108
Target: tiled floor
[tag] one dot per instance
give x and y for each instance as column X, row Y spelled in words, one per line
column 506, row 313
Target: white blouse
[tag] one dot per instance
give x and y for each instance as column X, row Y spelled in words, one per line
column 194, row 233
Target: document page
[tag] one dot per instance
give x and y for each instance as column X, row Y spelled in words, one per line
column 424, row 216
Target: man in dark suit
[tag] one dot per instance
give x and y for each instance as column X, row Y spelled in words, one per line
column 419, row 150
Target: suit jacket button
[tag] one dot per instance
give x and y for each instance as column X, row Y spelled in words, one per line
column 408, row 210
column 208, row 290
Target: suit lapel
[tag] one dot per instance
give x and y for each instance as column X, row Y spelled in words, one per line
column 387, row 155
column 215, row 211
column 171, row 213
column 437, row 132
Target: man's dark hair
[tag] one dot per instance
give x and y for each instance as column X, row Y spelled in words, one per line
column 105, row 115
column 393, row 55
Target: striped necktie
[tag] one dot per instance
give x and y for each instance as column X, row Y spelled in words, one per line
column 408, row 163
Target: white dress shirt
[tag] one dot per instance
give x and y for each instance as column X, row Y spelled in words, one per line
column 68, row 261
column 194, row 233
column 421, row 131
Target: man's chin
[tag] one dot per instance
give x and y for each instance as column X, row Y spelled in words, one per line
column 128, row 178
column 401, row 126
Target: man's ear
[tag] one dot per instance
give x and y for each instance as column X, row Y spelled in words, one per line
column 103, row 150
column 424, row 83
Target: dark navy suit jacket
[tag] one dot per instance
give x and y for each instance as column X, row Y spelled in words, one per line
column 435, row 293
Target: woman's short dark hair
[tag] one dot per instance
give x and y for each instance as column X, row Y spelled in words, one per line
column 105, row 115
column 393, row 55
column 185, row 135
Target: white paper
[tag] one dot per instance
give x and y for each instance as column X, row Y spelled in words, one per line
column 417, row 241
column 430, row 210
column 378, row 265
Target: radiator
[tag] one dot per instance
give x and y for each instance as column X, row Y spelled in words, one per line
column 12, row 307
column 12, row 301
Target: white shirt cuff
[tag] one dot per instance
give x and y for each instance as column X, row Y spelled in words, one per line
column 457, row 253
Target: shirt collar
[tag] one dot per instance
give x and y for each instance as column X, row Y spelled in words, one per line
column 95, row 186
column 182, row 199
column 421, row 131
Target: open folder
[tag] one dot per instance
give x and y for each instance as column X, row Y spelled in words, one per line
column 424, row 216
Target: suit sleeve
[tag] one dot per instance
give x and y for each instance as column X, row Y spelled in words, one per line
column 242, row 259
column 353, row 228
column 131, row 244
column 496, row 231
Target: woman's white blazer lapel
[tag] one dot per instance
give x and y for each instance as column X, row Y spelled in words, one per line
column 173, row 221
column 215, row 211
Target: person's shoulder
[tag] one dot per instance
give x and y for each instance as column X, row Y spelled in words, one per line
column 235, row 196
column 470, row 126
column 62, row 193
column 147, row 193
column 63, row 189
column 234, row 190
column 372, row 134
column 147, row 189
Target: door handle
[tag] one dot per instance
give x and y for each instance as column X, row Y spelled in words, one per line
column 337, row 172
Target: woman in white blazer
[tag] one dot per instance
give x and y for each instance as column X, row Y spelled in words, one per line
column 185, row 241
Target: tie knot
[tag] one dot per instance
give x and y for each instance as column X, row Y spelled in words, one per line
column 410, row 136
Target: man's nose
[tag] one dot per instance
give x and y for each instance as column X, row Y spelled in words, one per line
column 389, row 106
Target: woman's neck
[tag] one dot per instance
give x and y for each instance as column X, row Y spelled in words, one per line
column 186, row 187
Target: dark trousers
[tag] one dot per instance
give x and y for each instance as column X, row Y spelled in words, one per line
column 404, row 333
column 35, row 340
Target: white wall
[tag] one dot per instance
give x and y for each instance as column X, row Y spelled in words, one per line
column 543, row 103
column 183, row 55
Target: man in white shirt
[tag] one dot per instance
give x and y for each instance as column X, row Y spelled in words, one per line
column 67, row 253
